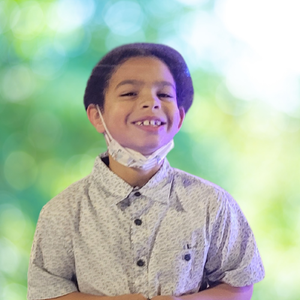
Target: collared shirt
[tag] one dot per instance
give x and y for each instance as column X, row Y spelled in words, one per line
column 174, row 236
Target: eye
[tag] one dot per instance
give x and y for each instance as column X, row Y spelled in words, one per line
column 130, row 94
column 165, row 95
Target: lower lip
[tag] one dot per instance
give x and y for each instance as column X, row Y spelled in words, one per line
column 150, row 128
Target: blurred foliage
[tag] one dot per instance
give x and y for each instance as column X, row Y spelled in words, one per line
column 47, row 51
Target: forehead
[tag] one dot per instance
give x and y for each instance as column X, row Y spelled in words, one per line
column 144, row 69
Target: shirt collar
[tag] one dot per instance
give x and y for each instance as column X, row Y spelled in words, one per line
column 116, row 189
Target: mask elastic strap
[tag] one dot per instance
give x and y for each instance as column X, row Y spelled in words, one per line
column 107, row 134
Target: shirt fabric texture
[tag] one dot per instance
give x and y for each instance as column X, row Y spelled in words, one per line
column 174, row 236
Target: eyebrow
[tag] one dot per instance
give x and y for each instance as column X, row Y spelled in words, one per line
column 138, row 82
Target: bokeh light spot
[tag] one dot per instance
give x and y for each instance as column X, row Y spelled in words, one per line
column 47, row 63
column 251, row 77
column 12, row 222
column 72, row 43
column 193, row 2
column 229, row 103
column 20, row 170
column 68, row 15
column 18, row 83
column 261, row 122
column 206, row 44
column 27, row 21
column 44, row 130
column 286, row 123
column 6, row 8
column 14, row 291
column 9, row 257
column 3, row 283
column 4, row 46
column 161, row 10
column 13, row 142
column 124, row 17
column 270, row 28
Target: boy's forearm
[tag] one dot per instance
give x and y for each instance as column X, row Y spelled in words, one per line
column 220, row 292
column 83, row 296
column 77, row 296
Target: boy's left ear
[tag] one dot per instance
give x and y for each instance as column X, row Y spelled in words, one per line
column 181, row 115
column 94, row 118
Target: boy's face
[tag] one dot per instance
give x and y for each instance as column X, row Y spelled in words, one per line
column 140, row 108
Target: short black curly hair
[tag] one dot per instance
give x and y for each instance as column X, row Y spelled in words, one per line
column 101, row 74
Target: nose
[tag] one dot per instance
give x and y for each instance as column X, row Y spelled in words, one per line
column 150, row 101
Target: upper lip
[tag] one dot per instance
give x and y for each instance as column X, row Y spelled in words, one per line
column 150, row 118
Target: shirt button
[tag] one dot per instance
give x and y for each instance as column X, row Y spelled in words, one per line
column 137, row 194
column 138, row 222
column 140, row 263
column 187, row 257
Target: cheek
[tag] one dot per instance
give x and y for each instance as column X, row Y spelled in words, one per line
column 117, row 118
column 176, row 119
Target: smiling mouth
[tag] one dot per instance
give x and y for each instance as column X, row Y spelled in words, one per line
column 153, row 123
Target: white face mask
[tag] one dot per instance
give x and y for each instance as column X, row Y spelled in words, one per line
column 131, row 158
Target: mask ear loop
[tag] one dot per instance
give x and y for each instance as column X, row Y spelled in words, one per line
column 107, row 135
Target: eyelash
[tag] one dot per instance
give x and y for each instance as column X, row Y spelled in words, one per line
column 164, row 95
column 128, row 94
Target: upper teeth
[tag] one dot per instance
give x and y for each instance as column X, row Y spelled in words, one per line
column 149, row 122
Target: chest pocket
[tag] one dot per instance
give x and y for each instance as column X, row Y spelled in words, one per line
column 179, row 271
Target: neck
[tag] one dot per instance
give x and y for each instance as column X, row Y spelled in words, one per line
column 134, row 177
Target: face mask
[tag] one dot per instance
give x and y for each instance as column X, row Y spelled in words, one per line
column 131, row 158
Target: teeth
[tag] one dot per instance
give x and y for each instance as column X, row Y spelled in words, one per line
column 148, row 123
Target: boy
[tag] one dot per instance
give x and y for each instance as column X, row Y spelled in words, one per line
column 135, row 228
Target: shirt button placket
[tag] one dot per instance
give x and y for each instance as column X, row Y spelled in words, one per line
column 139, row 240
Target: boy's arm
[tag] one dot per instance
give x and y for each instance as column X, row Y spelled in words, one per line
column 222, row 291
column 83, row 296
column 233, row 258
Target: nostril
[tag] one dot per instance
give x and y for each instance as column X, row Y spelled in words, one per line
column 154, row 105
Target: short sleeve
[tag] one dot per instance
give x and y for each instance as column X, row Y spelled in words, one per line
column 233, row 257
column 51, row 271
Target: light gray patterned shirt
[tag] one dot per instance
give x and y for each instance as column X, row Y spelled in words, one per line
column 173, row 236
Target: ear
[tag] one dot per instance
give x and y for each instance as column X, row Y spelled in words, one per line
column 94, row 118
column 181, row 115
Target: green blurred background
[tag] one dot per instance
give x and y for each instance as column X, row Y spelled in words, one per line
column 241, row 133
